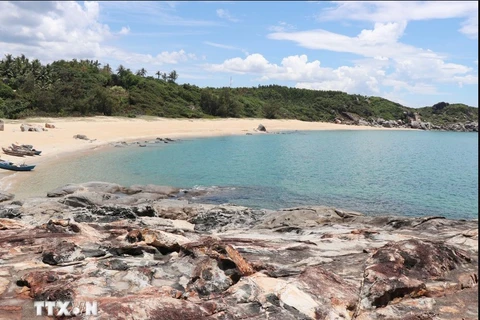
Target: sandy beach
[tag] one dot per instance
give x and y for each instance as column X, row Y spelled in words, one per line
column 58, row 143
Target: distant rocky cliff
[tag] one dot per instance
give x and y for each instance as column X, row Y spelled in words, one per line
column 146, row 252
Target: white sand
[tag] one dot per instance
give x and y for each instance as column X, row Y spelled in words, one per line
column 59, row 142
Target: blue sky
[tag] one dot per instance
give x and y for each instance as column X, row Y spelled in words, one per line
column 414, row 53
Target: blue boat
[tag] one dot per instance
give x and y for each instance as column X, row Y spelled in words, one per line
column 11, row 166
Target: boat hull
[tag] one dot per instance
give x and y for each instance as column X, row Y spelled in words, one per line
column 25, row 148
column 16, row 168
column 17, row 153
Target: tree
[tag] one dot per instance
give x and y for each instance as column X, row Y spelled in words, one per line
column 107, row 69
column 121, row 71
column 209, row 102
column 36, row 68
column 142, row 72
column 270, row 110
column 6, row 68
column 158, row 73
column 164, row 76
column 172, row 76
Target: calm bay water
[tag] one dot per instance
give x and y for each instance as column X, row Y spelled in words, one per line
column 374, row 172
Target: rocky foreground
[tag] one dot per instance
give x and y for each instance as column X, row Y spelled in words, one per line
column 147, row 252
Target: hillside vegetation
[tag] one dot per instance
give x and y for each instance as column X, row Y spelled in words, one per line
column 86, row 88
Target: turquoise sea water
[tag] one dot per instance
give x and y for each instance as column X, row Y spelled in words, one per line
column 375, row 172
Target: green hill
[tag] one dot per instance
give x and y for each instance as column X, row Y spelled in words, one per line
column 85, row 88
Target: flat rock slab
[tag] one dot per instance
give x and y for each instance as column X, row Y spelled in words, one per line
column 147, row 252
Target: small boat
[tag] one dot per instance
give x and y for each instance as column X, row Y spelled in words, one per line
column 13, row 152
column 25, row 147
column 11, row 166
column 18, row 152
column 23, row 151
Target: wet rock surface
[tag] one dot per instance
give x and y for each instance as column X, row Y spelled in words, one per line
column 147, row 252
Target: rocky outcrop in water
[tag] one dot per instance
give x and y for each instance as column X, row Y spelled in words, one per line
column 148, row 252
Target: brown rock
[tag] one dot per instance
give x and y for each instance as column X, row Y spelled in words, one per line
column 48, row 285
column 468, row 280
column 62, row 252
column 164, row 240
column 400, row 269
column 8, row 224
column 243, row 266
column 4, row 283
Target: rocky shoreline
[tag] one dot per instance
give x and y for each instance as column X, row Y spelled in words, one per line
column 148, row 252
column 412, row 121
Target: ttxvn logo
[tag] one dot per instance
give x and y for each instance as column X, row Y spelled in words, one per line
column 66, row 308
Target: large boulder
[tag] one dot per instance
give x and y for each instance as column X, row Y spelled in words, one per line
column 390, row 124
column 30, row 127
column 415, row 124
column 471, row 126
column 363, row 122
column 380, row 120
column 24, row 127
column 351, row 116
column 262, row 128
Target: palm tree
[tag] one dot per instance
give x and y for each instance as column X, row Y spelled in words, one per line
column 173, row 76
column 121, row 70
column 95, row 63
column 107, row 69
column 142, row 72
column 7, row 66
column 158, row 73
column 36, row 67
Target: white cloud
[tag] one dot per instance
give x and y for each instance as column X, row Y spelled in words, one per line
column 383, row 33
column 396, row 11
column 124, row 31
column 153, row 13
column 224, row 14
column 307, row 74
column 165, row 57
column 57, row 29
column 293, row 68
column 381, row 40
column 382, row 44
column 281, row 26
column 67, row 30
column 219, row 45
column 368, row 76
column 470, row 26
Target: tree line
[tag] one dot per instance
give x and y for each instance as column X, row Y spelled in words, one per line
column 86, row 87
